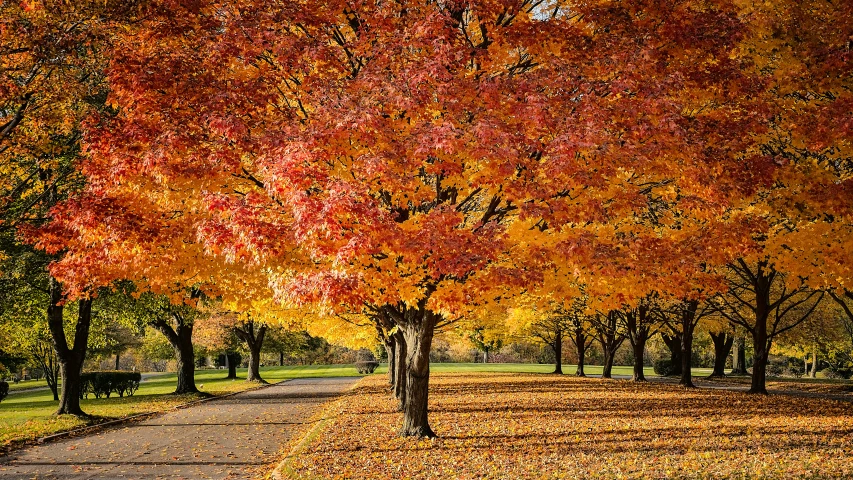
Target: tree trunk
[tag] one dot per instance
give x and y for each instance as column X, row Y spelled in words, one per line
column 761, row 345
column 254, row 341
column 639, row 347
column 400, row 367
column 558, row 351
column 70, row 359
column 418, row 333
column 673, row 343
column 231, row 360
column 390, row 349
column 486, row 356
column 580, row 346
column 181, row 339
column 118, row 357
column 722, row 347
column 739, row 357
column 813, row 372
column 280, row 359
column 607, row 371
column 688, row 324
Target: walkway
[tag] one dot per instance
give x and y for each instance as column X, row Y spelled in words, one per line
column 234, row 437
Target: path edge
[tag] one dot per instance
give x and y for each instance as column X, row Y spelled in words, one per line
column 283, row 470
column 142, row 416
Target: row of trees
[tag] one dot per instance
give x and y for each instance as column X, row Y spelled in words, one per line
column 420, row 165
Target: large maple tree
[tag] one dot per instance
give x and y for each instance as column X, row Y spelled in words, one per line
column 416, row 160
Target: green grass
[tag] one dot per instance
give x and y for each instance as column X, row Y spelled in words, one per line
column 25, row 384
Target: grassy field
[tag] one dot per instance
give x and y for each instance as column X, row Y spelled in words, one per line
column 508, row 426
column 29, row 415
column 26, row 384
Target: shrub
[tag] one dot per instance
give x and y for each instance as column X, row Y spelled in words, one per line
column 103, row 384
column 664, row 367
column 4, row 390
column 834, row 373
column 366, row 366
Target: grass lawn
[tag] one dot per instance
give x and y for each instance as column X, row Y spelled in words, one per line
column 533, row 426
column 25, row 384
column 29, row 415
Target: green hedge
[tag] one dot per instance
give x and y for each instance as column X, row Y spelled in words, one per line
column 103, row 384
column 4, row 390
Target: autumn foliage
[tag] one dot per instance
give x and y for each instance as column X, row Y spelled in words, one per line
column 421, row 162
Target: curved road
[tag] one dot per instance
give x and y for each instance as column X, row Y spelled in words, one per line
column 234, row 437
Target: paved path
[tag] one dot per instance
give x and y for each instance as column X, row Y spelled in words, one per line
column 233, row 437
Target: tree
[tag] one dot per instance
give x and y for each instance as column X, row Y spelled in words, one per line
column 761, row 300
column 419, row 160
column 487, row 341
column 610, row 337
column 640, row 325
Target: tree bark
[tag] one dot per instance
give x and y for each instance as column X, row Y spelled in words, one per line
column 486, row 356
column 418, row 333
column 688, row 324
column 607, row 371
column 118, row 357
column 759, row 359
column 673, row 343
column 722, row 347
column 610, row 340
column 639, row 347
column 181, row 339
column 231, row 361
column 280, row 359
column 558, row 351
column 390, row 349
column 70, row 359
column 580, row 340
column 400, row 367
column 254, row 341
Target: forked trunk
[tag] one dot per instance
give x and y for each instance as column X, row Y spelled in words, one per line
column 722, row 346
column 418, row 335
column 254, row 339
column 181, row 339
column 558, row 351
column 70, row 359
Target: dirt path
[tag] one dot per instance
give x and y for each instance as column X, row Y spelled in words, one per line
column 233, row 437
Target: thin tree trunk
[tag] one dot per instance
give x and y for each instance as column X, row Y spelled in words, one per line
column 558, row 351
column 739, row 357
column 280, row 359
column 486, row 356
column 118, row 356
column 418, row 333
column 813, row 372
column 722, row 346
column 70, row 359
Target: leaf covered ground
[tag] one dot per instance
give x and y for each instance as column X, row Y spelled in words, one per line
column 546, row 426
